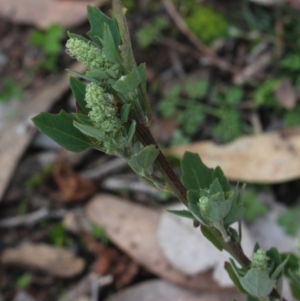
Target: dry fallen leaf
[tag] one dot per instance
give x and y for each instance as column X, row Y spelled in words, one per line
column 58, row 262
column 159, row 290
column 264, row 158
column 188, row 250
column 133, row 228
column 286, row 94
column 72, row 187
column 44, row 13
column 110, row 261
column 17, row 132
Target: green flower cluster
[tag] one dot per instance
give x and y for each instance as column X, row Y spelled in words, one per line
column 260, row 260
column 104, row 116
column 90, row 55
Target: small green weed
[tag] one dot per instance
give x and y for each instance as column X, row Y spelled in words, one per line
column 34, row 181
column 186, row 103
column 49, row 42
column 207, row 23
column 10, row 90
column 254, row 207
column 290, row 220
column 151, row 32
column 23, row 281
column 23, row 207
column 98, row 232
column 57, row 235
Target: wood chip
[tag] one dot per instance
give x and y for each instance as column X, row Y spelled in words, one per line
column 264, row 158
column 58, row 262
column 133, row 228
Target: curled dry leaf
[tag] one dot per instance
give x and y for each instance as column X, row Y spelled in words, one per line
column 58, row 262
column 44, row 13
column 72, row 187
column 155, row 290
column 264, row 158
column 110, row 261
column 133, row 228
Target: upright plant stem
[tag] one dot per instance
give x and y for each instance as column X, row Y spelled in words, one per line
column 233, row 248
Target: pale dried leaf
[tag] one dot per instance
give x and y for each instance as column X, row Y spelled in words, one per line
column 17, row 132
column 133, row 228
column 44, row 13
column 190, row 252
column 264, row 158
column 155, row 290
column 55, row 261
column 286, row 94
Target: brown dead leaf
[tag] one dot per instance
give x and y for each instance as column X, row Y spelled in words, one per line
column 133, row 228
column 58, row 262
column 17, row 132
column 44, row 13
column 72, row 187
column 286, row 94
column 111, row 261
column 264, row 158
column 159, row 290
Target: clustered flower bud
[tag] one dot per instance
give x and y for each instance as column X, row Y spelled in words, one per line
column 260, row 260
column 86, row 53
column 104, row 115
column 203, row 204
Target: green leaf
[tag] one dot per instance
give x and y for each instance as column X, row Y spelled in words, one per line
column 218, row 174
column 109, row 48
column 81, row 75
column 195, row 175
column 257, row 283
column 97, row 20
column 118, row 13
column 125, row 112
column 79, row 37
column 193, row 201
column 97, row 74
column 60, row 128
column 182, row 213
column 234, row 215
column 295, row 288
column 78, row 90
column 212, row 237
column 143, row 73
column 84, row 119
column 142, row 162
column 89, row 131
column 131, row 132
column 129, row 83
column 234, row 277
column 279, row 270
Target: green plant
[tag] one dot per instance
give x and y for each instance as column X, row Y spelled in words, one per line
column 99, row 233
column 57, row 235
column 207, row 23
column 10, row 90
column 115, row 116
column 49, row 42
column 151, row 32
column 254, row 206
column 23, row 281
column 290, row 220
column 182, row 101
